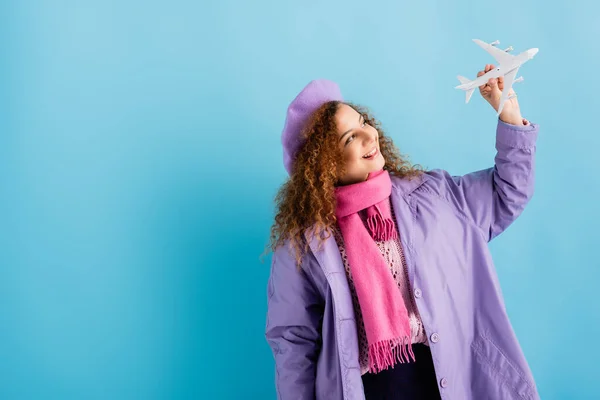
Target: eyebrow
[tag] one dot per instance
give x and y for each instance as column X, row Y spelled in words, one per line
column 349, row 130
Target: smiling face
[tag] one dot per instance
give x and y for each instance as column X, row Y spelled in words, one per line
column 359, row 144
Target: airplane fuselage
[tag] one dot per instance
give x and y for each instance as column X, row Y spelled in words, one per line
column 502, row 69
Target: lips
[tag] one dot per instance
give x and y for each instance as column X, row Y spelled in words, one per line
column 372, row 154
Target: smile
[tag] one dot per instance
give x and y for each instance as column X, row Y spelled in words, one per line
column 371, row 154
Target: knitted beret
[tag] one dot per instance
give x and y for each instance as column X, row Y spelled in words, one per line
column 314, row 95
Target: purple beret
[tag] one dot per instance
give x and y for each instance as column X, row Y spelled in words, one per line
column 313, row 96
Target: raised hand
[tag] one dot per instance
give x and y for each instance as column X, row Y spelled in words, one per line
column 492, row 91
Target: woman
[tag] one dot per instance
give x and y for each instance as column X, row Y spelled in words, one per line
column 382, row 285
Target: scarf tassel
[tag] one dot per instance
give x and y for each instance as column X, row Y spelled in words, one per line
column 381, row 229
column 387, row 353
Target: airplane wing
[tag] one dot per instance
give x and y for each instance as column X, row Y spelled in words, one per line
column 500, row 55
column 509, row 78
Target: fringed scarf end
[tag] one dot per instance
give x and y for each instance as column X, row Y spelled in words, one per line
column 387, row 353
column 381, row 229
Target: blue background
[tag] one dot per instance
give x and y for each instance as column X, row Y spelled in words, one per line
column 140, row 154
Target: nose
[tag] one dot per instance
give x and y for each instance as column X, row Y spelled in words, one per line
column 370, row 137
column 532, row 52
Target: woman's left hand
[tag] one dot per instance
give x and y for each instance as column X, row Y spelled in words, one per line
column 492, row 91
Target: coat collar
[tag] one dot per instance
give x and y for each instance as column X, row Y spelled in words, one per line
column 404, row 186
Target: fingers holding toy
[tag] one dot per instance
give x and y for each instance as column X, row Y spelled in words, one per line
column 501, row 86
column 501, row 83
column 494, row 86
column 489, row 89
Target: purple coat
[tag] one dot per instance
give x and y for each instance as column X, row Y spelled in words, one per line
column 445, row 223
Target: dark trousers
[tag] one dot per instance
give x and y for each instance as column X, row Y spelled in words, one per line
column 408, row 381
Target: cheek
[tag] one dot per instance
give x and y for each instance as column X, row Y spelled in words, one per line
column 351, row 156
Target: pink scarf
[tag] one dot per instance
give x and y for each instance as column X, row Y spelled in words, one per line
column 383, row 309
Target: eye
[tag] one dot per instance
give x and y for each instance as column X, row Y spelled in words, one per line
column 362, row 126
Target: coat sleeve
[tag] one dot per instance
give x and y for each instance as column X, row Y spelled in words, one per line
column 293, row 330
column 493, row 198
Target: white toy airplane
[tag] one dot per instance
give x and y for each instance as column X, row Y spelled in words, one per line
column 508, row 67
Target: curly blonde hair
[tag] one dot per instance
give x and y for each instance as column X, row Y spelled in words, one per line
column 306, row 200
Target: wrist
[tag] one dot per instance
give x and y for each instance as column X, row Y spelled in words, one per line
column 514, row 119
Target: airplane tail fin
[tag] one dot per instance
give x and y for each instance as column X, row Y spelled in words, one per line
column 465, row 86
column 463, row 80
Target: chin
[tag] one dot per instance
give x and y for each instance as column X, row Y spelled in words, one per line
column 378, row 165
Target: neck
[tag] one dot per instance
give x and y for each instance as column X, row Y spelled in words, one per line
column 366, row 177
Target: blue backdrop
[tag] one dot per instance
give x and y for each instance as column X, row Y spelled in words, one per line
column 140, row 154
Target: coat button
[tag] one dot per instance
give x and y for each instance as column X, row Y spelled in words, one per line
column 418, row 293
column 435, row 338
column 444, row 382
